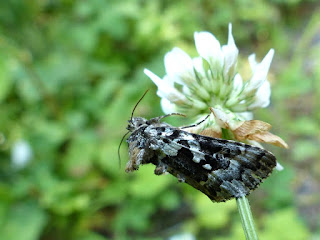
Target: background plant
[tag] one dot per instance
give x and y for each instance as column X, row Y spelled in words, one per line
column 70, row 73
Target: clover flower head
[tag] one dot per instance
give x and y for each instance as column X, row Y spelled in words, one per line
column 193, row 85
column 21, row 154
column 211, row 78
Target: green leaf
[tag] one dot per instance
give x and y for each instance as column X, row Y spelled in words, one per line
column 274, row 185
column 5, row 76
column 114, row 193
column 135, row 215
column 23, row 221
column 92, row 236
column 147, row 185
column 284, row 224
column 305, row 150
column 213, row 215
column 304, row 126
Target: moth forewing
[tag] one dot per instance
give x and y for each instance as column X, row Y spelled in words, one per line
column 219, row 168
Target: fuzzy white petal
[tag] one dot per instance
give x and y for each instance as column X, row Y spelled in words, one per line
column 154, row 78
column 198, row 104
column 235, row 93
column 179, row 66
column 252, row 61
column 263, row 94
column 198, row 65
column 237, row 83
column 260, row 72
column 186, row 90
column 209, row 48
column 262, row 97
column 230, row 52
column 165, row 89
column 167, row 106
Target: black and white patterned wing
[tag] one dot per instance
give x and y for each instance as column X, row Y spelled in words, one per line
column 221, row 169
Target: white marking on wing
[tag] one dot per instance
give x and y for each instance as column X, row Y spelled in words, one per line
column 207, row 166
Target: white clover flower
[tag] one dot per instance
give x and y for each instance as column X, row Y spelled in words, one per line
column 21, row 154
column 211, row 79
column 193, row 85
column 183, row 236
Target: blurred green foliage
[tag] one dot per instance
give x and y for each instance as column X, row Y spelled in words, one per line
column 70, row 74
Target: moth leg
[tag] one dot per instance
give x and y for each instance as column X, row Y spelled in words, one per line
column 181, row 178
column 160, row 169
column 157, row 119
column 196, row 124
column 136, row 157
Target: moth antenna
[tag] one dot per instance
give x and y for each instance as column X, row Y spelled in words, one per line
column 137, row 104
column 119, row 148
column 198, row 123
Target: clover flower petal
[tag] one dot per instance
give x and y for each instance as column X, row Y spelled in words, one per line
column 230, row 52
column 260, row 72
column 262, row 96
column 167, row 106
column 209, row 49
column 179, row 66
column 166, row 89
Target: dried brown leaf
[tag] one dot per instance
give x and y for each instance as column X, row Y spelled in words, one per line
column 210, row 133
column 251, row 127
column 268, row 137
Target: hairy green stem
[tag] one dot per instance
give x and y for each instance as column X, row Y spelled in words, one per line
column 246, row 218
column 243, row 206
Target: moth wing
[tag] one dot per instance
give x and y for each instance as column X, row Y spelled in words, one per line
column 220, row 168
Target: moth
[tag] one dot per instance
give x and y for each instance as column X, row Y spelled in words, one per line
column 221, row 169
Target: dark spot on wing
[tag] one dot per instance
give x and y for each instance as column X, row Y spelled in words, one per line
column 184, row 164
column 165, row 140
column 212, row 161
column 210, row 146
column 184, row 143
column 226, row 152
column 160, row 130
column 175, row 134
column 184, row 155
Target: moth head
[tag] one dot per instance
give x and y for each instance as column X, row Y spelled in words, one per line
column 136, row 123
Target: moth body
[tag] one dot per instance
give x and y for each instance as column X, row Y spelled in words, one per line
column 221, row 169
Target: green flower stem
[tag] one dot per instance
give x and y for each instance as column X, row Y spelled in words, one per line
column 246, row 218
column 243, row 206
